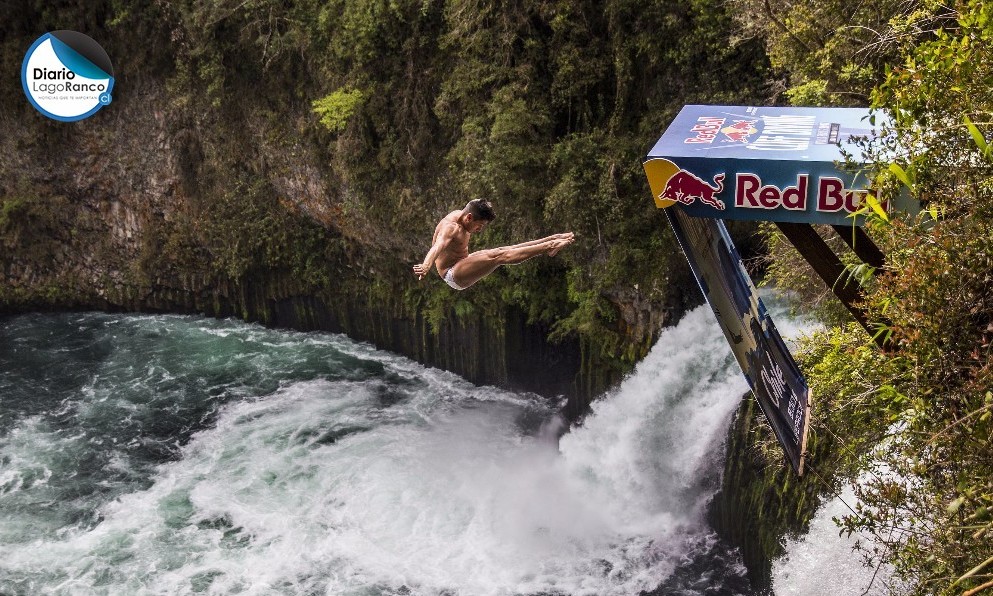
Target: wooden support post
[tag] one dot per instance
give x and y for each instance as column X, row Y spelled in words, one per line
column 829, row 267
column 863, row 246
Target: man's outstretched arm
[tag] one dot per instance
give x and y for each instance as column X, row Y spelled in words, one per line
column 445, row 236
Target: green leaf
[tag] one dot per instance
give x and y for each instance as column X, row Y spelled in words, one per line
column 337, row 108
column 876, row 206
column 978, row 138
column 901, row 175
column 955, row 505
column 884, row 331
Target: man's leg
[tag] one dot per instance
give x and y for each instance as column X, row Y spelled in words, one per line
column 483, row 262
column 543, row 240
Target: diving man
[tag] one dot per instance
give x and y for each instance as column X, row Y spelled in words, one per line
column 460, row 268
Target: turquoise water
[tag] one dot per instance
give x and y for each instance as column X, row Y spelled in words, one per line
column 181, row 455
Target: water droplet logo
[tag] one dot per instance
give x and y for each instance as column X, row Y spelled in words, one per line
column 67, row 76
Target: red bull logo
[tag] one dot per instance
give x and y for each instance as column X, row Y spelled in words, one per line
column 687, row 188
column 755, row 163
column 740, row 131
column 706, row 130
column 672, row 184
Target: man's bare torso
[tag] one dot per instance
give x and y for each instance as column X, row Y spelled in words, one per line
column 457, row 249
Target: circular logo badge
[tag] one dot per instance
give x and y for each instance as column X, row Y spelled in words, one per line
column 67, row 76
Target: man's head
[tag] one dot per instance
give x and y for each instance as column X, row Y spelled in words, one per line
column 477, row 213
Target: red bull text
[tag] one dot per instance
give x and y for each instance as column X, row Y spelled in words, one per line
column 706, row 130
column 750, row 193
column 831, row 197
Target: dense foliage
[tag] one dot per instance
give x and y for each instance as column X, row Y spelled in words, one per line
column 913, row 425
column 545, row 108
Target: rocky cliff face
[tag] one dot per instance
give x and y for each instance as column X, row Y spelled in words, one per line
column 761, row 499
column 118, row 212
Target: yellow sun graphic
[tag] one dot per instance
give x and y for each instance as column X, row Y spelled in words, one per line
column 659, row 171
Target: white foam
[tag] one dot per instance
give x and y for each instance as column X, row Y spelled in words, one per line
column 318, row 488
column 824, row 561
column 644, row 447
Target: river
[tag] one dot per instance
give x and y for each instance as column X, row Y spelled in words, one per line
column 179, row 455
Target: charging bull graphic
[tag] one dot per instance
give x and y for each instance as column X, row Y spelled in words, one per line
column 672, row 184
column 686, row 188
column 740, row 131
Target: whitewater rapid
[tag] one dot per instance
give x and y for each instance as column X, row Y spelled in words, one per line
column 179, row 455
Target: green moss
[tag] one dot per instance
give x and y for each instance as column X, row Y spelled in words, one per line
column 337, row 108
column 9, row 209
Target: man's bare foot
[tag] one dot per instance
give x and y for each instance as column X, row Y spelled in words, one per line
column 558, row 244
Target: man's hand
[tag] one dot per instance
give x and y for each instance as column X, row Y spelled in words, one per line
column 420, row 271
